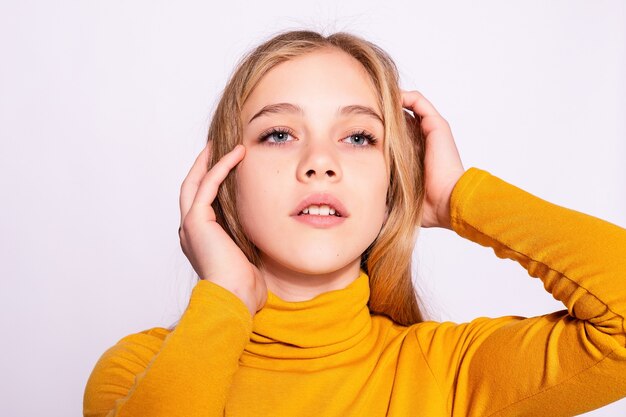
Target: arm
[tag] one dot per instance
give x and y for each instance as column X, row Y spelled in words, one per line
column 187, row 374
column 559, row 364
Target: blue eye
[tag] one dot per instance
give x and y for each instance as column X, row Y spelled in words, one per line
column 280, row 135
column 365, row 136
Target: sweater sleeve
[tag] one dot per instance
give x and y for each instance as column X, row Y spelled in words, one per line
column 185, row 372
column 560, row 364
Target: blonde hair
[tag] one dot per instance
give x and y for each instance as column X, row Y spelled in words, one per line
column 387, row 261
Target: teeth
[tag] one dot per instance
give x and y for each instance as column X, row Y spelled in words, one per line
column 323, row 210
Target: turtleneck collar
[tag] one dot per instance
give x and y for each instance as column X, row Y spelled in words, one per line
column 329, row 323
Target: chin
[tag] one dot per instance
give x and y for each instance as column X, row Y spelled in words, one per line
column 314, row 264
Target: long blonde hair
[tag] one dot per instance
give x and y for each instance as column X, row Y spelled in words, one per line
column 387, row 261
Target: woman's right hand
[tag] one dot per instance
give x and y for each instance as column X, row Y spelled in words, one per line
column 213, row 254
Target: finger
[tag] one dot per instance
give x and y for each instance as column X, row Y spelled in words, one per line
column 430, row 119
column 415, row 101
column 216, row 175
column 192, row 180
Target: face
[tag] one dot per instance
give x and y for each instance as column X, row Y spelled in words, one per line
column 317, row 148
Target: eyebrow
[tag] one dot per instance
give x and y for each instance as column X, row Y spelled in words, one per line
column 294, row 108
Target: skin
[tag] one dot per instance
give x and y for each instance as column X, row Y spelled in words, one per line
column 442, row 162
column 301, row 261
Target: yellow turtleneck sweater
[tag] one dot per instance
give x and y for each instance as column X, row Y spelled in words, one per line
column 329, row 357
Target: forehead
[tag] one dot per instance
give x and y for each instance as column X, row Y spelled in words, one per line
column 325, row 78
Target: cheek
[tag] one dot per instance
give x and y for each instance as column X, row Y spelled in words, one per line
column 258, row 196
column 374, row 185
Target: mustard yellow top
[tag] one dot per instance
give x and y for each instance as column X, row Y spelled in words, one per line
column 329, row 357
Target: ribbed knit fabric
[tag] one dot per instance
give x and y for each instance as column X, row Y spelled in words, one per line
column 329, row 357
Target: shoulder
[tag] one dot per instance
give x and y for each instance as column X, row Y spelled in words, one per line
column 430, row 333
column 153, row 335
column 143, row 344
column 133, row 349
column 115, row 371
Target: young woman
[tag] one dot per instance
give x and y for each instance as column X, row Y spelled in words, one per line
column 302, row 237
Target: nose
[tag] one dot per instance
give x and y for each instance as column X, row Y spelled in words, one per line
column 319, row 162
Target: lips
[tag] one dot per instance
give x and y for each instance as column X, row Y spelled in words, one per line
column 320, row 199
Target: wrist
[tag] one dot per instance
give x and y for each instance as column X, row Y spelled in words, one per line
column 444, row 216
column 246, row 296
column 249, row 300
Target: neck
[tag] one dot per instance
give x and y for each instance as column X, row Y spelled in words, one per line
column 331, row 323
column 290, row 285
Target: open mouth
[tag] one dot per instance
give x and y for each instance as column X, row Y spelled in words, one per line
column 302, row 213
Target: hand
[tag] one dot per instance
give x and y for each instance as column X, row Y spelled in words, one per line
column 212, row 253
column 442, row 162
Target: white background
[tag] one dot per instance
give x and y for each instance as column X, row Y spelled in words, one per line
column 105, row 105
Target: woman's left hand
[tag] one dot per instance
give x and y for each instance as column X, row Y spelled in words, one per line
column 443, row 166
